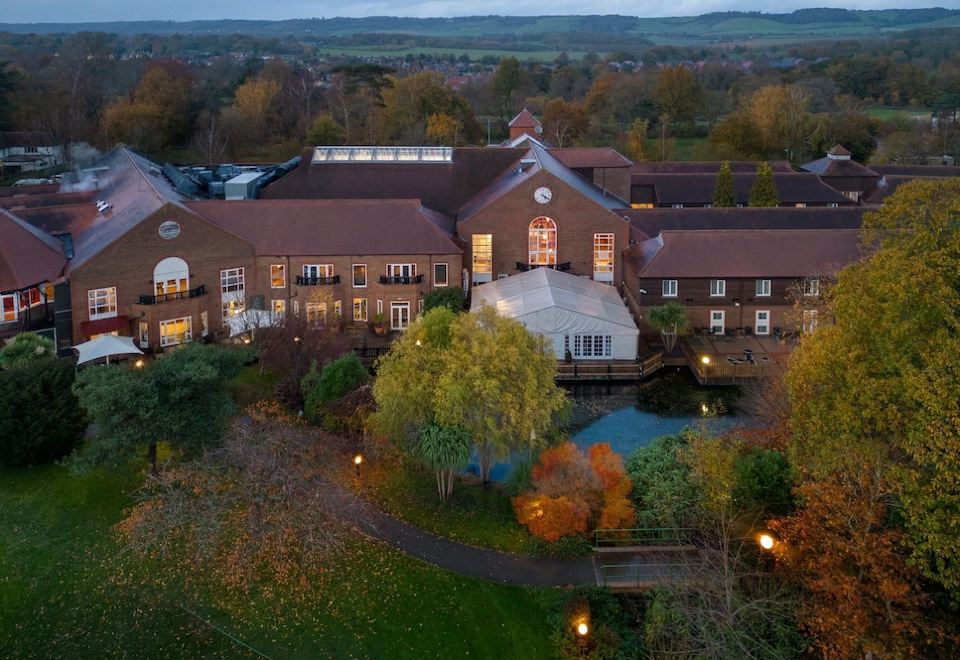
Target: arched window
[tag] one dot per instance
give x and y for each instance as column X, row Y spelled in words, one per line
column 171, row 275
column 542, row 242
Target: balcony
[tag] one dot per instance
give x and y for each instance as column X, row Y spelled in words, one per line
column 175, row 295
column 317, row 281
column 401, row 279
column 565, row 266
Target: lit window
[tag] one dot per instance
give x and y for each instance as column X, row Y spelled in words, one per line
column 278, row 276
column 278, row 307
column 231, row 279
column 317, row 272
column 603, row 257
column 231, row 308
column 482, row 250
column 144, row 334
column 399, row 315
column 591, row 346
column 337, row 309
column 102, row 303
column 400, row 272
column 440, row 275
column 170, row 277
column 763, row 287
column 360, row 309
column 176, row 331
column 316, row 314
column 30, row 298
column 8, row 308
column 669, row 288
column 542, row 242
column 359, row 275
column 718, row 287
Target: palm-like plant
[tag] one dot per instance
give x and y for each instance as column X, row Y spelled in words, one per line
column 25, row 348
column 670, row 320
column 445, row 449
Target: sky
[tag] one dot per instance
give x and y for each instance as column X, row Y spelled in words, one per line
column 75, row 11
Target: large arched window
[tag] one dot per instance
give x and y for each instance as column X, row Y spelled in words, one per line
column 171, row 275
column 542, row 242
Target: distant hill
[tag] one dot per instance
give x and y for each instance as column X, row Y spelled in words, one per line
column 715, row 26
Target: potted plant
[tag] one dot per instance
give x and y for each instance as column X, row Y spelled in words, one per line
column 378, row 324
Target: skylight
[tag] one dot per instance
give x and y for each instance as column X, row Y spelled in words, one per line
column 382, row 154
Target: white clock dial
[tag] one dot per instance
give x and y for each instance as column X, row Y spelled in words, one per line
column 543, row 195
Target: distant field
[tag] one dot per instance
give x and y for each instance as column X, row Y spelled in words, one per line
column 888, row 112
column 475, row 54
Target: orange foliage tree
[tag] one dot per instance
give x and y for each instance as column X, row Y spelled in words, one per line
column 571, row 491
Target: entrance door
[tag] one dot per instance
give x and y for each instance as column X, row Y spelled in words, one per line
column 763, row 322
column 399, row 315
column 716, row 322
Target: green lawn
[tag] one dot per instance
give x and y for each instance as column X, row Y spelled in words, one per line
column 249, row 386
column 886, row 113
column 67, row 590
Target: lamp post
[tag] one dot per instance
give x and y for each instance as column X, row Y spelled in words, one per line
column 357, row 460
column 766, row 541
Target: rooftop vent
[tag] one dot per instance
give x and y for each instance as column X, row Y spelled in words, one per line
column 102, row 205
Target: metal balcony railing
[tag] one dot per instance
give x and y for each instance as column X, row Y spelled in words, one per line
column 174, row 295
column 317, row 281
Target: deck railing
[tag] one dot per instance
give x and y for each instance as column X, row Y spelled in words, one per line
column 719, row 369
column 401, row 279
column 648, row 536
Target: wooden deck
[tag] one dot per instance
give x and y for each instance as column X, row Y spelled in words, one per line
column 731, row 360
column 613, row 370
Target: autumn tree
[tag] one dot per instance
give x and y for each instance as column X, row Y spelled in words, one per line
column 764, row 192
column 677, row 94
column 723, row 191
column 444, row 129
column 564, row 122
column 325, row 131
column 637, row 147
column 412, row 100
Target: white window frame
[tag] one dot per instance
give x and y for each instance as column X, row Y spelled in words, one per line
column 278, row 307
column 165, row 340
column 669, row 288
column 316, row 314
column 811, row 287
column 481, row 254
column 379, row 306
column 604, row 257
column 542, row 242
column 360, row 310
column 317, row 270
column 144, row 334
column 757, row 322
column 102, row 299
column 353, row 275
column 278, row 272
column 14, row 307
column 809, row 321
column 763, row 288
column 401, row 270
column 232, row 279
column 722, row 321
column 171, row 276
column 401, row 323
column 718, row 288
column 595, row 347
column 446, row 275
column 231, row 307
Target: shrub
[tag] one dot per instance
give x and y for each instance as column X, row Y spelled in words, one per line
column 450, row 297
column 763, row 482
column 40, row 418
column 334, row 381
column 550, row 518
column 25, row 348
column 663, row 489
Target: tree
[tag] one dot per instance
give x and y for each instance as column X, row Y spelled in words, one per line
column 180, row 400
column 450, row 297
column 444, row 129
column 876, row 390
column 25, row 348
column 677, row 93
column 764, row 192
column 40, row 418
column 564, row 122
column 325, row 131
column 333, row 381
column 445, row 450
column 637, row 147
column 670, row 320
column 663, row 491
column 505, row 86
column 723, row 192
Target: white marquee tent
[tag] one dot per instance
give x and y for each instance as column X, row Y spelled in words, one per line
column 585, row 317
column 105, row 346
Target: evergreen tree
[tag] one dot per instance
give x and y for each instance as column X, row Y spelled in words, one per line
column 764, row 189
column 723, row 195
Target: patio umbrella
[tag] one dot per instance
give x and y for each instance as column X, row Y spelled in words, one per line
column 104, row 347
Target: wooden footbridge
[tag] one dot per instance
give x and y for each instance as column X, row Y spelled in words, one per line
column 632, row 560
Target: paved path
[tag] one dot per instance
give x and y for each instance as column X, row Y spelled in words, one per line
column 491, row 565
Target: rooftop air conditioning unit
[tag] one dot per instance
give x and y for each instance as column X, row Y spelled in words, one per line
column 102, row 205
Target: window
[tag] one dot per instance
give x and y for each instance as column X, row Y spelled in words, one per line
column 590, row 346
column 482, row 249
column 278, row 276
column 337, row 309
column 833, row 205
column 718, row 287
column 809, row 320
column 171, row 276
column 231, row 308
column 542, row 242
column 176, row 331
column 401, row 270
column 440, row 275
column 316, row 314
column 678, row 206
column 102, row 303
column 763, row 287
column 319, row 270
column 603, row 257
column 801, row 205
column 716, row 322
column 49, row 292
column 852, row 194
column 144, row 334
column 204, row 323
column 669, row 288
column 359, row 275
column 278, row 307
column 811, row 286
column 360, row 309
column 379, row 306
column 420, row 306
column 399, row 315
column 231, row 279
column 30, row 298
column 8, row 308
column 763, row 322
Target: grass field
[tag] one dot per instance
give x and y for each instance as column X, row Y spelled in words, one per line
column 888, row 112
column 68, row 591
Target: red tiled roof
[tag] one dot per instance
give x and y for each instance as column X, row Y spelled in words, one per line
column 792, row 188
column 27, row 256
column 590, row 157
column 746, row 253
column 524, row 119
column 837, row 167
column 652, row 221
column 839, row 150
column 66, row 219
column 706, row 167
column 329, row 227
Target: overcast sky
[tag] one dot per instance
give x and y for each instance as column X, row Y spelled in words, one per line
column 56, row 11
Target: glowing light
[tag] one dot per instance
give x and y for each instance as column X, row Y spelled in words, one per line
column 704, row 409
column 705, row 359
column 296, row 339
column 583, row 628
column 358, row 459
column 766, row 541
column 418, row 343
column 138, row 364
column 246, row 340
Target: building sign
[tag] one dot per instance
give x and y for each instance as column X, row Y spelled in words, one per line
column 169, row 230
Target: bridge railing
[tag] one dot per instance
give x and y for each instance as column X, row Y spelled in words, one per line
column 652, row 536
column 644, row 575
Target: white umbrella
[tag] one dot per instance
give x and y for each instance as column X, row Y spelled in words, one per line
column 105, row 346
column 251, row 319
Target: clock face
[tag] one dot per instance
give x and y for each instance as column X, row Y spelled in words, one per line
column 543, row 195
